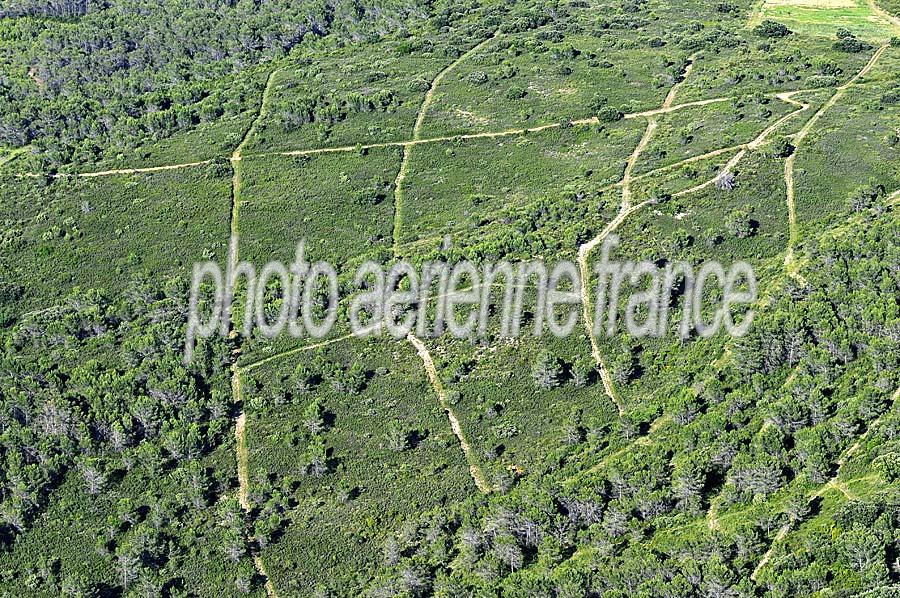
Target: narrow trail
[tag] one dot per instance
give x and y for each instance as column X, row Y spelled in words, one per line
column 586, row 309
column 625, row 210
column 634, row 444
column 236, row 157
column 358, row 334
column 793, row 236
column 833, row 483
column 417, row 133
column 712, row 517
column 319, row 345
column 894, row 21
column 652, row 124
column 240, row 436
column 242, row 457
column 474, row 469
column 240, row 424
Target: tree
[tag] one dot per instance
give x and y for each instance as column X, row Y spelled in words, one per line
column 546, row 371
column 771, row 29
column 608, row 114
column 725, row 181
column 740, row 224
column 127, row 565
column 888, row 467
column 782, row 147
column 316, row 458
column 94, row 479
column 313, row 417
column 864, row 197
column 396, row 438
column 847, row 42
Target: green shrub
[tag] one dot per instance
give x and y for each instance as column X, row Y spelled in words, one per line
column 771, row 29
column 608, row 114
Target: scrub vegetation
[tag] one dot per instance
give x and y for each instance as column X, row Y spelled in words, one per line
column 136, row 137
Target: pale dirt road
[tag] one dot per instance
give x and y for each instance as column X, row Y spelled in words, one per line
column 417, row 133
column 477, row 475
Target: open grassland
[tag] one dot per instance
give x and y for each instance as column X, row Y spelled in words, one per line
column 479, row 192
column 346, row 96
column 524, row 80
column 824, row 17
column 827, row 174
column 340, row 205
column 105, row 232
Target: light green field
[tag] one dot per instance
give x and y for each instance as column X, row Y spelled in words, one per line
column 824, row 18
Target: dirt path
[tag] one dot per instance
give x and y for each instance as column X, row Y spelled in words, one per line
column 474, row 469
column 586, row 309
column 895, row 21
column 236, row 157
column 405, row 143
column 652, row 124
column 834, row 482
column 417, row 133
column 242, row 457
column 240, row 424
column 294, row 351
column 625, row 210
column 633, row 445
column 793, row 236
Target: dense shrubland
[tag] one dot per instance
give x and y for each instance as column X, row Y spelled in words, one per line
column 118, row 473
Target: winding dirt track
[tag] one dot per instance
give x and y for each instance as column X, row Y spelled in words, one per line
column 802, row 134
column 625, row 210
column 895, row 21
column 474, row 469
column 833, row 482
column 240, row 424
column 417, row 133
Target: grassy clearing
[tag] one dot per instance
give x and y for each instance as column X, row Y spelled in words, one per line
column 205, row 142
column 756, row 66
column 101, row 233
column 696, row 131
column 478, row 191
column 851, row 146
column 513, row 424
column 823, row 18
column 340, row 204
column 524, row 80
column 345, row 96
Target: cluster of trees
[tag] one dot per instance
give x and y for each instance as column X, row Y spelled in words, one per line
column 331, row 108
column 771, row 29
column 63, row 9
column 817, row 370
column 848, row 42
column 127, row 71
column 95, row 400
